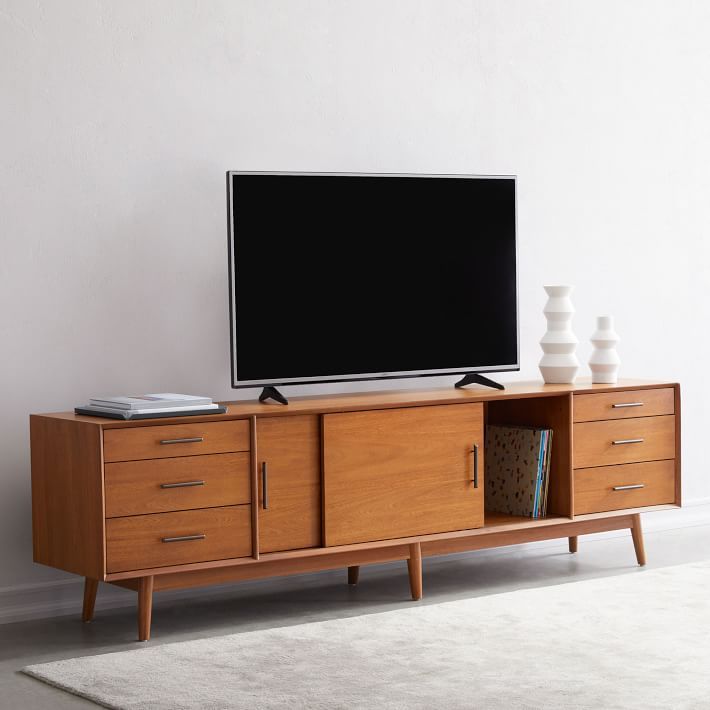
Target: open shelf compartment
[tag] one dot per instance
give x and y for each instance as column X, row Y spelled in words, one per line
column 553, row 413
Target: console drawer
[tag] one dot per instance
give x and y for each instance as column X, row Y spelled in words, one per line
column 146, row 541
column 155, row 442
column 610, row 487
column 624, row 405
column 624, row 441
column 184, row 483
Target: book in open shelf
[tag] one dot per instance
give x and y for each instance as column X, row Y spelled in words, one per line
column 517, row 470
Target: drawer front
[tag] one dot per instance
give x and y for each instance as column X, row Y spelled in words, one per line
column 155, row 442
column 624, row 441
column 631, row 485
column 146, row 541
column 624, row 405
column 185, row 483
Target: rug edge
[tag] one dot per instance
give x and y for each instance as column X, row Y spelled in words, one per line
column 640, row 571
column 35, row 675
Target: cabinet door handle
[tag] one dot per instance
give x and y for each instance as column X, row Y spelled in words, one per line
column 627, row 441
column 474, row 450
column 189, row 440
column 184, row 538
column 630, row 487
column 621, row 405
column 182, row 484
column 264, row 486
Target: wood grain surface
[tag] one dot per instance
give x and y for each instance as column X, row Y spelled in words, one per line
column 394, row 473
column 135, row 487
column 594, row 487
column 137, row 542
column 594, row 441
column 362, row 401
column 651, row 403
column 290, row 448
column 67, row 496
column 218, row 437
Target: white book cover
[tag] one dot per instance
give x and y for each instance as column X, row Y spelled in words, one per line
column 152, row 401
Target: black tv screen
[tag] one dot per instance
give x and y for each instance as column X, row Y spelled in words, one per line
column 350, row 277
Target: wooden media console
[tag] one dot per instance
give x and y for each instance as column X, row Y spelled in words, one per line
column 339, row 481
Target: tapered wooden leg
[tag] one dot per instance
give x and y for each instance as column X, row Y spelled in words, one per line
column 414, row 563
column 353, row 574
column 145, row 607
column 573, row 544
column 637, row 536
column 90, row 588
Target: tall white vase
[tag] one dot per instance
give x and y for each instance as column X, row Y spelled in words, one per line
column 604, row 361
column 559, row 363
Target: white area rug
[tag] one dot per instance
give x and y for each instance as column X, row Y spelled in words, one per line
column 636, row 641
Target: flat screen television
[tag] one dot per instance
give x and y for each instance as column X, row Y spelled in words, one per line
column 342, row 277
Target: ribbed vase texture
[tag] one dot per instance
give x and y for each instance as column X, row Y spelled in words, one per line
column 604, row 362
column 559, row 363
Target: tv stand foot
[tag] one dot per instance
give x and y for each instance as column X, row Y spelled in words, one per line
column 414, row 564
column 637, row 535
column 90, row 587
column 474, row 378
column 353, row 574
column 272, row 393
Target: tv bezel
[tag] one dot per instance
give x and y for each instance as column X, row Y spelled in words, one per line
column 368, row 376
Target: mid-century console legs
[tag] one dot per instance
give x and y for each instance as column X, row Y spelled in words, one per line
column 414, row 563
column 353, row 574
column 637, row 535
column 145, row 607
column 90, row 588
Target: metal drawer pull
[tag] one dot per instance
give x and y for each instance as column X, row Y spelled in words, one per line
column 621, row 405
column 627, row 441
column 632, row 487
column 182, row 484
column 264, row 486
column 475, row 465
column 184, row 538
column 191, row 440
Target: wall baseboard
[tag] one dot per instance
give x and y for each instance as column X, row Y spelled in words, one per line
column 25, row 602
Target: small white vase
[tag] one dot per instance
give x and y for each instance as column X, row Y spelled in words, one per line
column 559, row 363
column 604, row 361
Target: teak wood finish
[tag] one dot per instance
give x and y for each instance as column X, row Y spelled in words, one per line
column 187, row 439
column 624, row 441
column 623, row 405
column 554, row 413
column 352, row 480
column 353, row 574
column 184, row 483
column 289, row 467
column 402, row 472
column 91, row 586
column 68, row 525
column 178, row 538
column 631, row 485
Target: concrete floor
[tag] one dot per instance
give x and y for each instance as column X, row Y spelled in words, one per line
column 295, row 600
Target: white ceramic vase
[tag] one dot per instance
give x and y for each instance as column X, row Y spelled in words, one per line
column 604, row 361
column 559, row 363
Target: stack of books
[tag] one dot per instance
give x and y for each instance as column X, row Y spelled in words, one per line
column 517, row 470
column 150, row 406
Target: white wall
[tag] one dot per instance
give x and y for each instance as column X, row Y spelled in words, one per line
column 119, row 120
